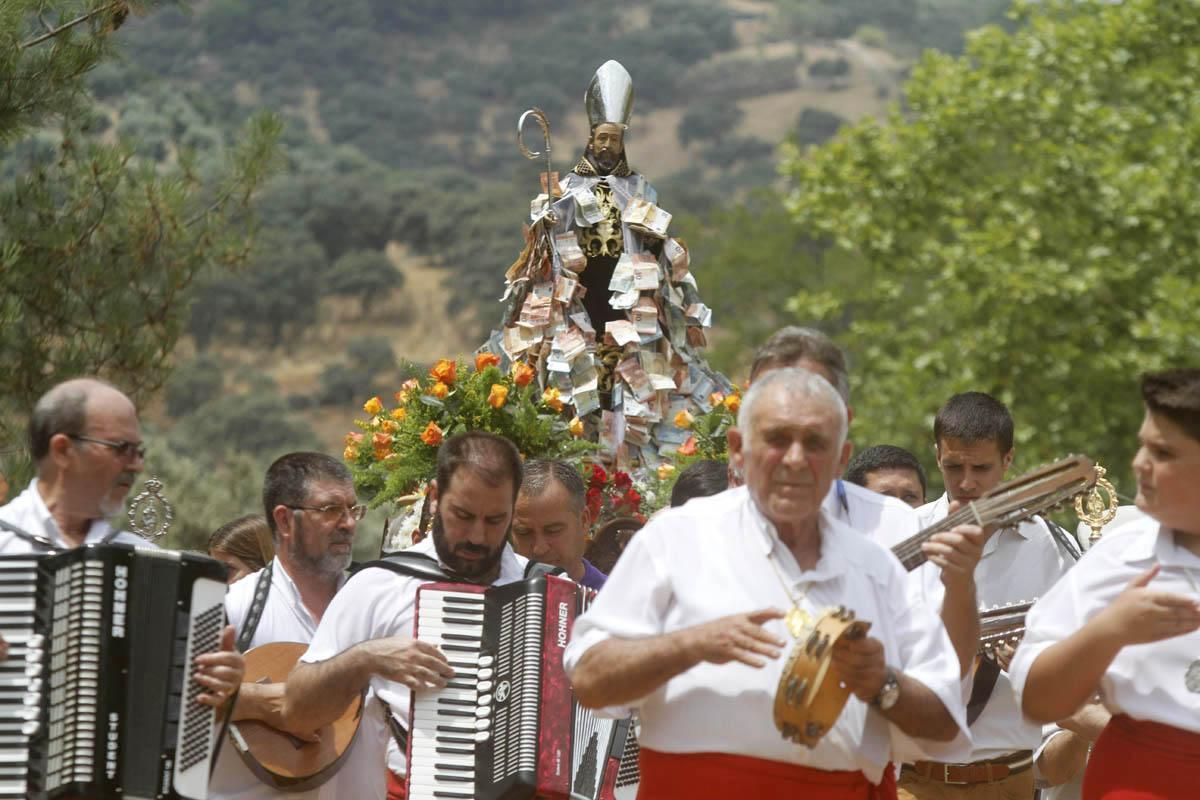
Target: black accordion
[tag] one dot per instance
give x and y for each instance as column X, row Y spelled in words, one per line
column 97, row 691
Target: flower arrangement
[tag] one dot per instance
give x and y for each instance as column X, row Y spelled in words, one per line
column 612, row 494
column 707, row 440
column 394, row 451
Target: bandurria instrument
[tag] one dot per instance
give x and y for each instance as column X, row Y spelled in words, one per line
column 279, row 759
column 809, row 697
column 507, row 725
column 1002, row 625
column 98, row 682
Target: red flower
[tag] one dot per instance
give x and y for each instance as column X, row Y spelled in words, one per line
column 632, row 499
column 622, row 481
column 688, row 448
column 599, row 477
column 594, row 501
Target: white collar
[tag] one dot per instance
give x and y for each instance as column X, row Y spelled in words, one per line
column 834, row 560
column 97, row 528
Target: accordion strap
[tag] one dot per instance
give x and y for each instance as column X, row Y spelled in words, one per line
column 262, row 588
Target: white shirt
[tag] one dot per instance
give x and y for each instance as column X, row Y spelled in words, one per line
column 284, row 619
column 885, row 519
column 374, row 604
column 1018, row 564
column 708, row 559
column 1148, row 681
column 28, row 512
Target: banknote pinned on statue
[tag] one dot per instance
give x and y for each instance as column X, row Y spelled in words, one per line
column 584, row 324
column 622, row 277
column 677, row 257
column 700, row 314
column 625, row 300
column 612, row 431
column 570, row 343
column 564, row 289
column 622, row 331
column 630, row 369
column 657, row 368
column 535, row 313
column 645, row 316
column 645, row 273
column 646, row 218
column 518, row 340
column 567, row 247
column 587, row 208
column 637, row 432
column 538, row 207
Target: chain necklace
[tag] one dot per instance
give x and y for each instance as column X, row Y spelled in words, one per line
column 798, row 619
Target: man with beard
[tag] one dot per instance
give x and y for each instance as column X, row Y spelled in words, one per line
column 365, row 639
column 311, row 509
column 86, row 444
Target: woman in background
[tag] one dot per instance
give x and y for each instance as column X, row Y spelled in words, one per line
column 244, row 545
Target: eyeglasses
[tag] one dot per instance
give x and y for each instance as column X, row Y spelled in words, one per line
column 123, row 449
column 335, row 511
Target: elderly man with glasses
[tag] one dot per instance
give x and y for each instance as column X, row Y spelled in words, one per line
column 86, row 444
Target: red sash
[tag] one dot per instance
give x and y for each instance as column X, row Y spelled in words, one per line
column 396, row 790
column 1135, row 760
column 720, row 776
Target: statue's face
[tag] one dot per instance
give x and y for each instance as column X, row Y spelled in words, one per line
column 607, row 144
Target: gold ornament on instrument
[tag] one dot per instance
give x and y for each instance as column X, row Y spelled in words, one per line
column 1093, row 510
column 151, row 514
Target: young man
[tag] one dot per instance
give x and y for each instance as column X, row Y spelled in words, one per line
column 86, row 443
column 884, row 519
column 1126, row 621
column 551, row 520
column 889, row 470
column 365, row 639
column 973, row 435
column 690, row 626
column 312, row 510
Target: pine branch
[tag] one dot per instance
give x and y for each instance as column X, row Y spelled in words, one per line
column 51, row 33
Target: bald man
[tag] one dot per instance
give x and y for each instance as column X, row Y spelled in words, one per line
column 86, row 443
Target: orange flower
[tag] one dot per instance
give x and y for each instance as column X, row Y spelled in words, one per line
column 498, row 396
column 553, row 399
column 353, row 438
column 523, row 374
column 439, row 390
column 688, row 448
column 445, row 370
column 373, row 406
column 576, row 427
column 382, row 444
column 684, row 419
column 716, row 398
column 485, row 360
column 733, row 402
column 350, row 453
column 432, row 435
column 665, row 471
column 399, row 414
column 387, row 426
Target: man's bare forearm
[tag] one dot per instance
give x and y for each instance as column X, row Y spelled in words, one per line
column 620, row 671
column 921, row 713
column 318, row 692
column 1063, row 758
column 960, row 615
column 1066, row 674
column 259, row 701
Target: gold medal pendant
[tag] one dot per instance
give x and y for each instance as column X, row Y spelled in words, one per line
column 798, row 621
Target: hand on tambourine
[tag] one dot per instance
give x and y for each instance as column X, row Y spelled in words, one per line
column 738, row 637
column 1140, row 615
column 221, row 672
column 860, row 665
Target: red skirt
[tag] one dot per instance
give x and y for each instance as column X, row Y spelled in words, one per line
column 396, row 790
column 721, row 776
column 1135, row 760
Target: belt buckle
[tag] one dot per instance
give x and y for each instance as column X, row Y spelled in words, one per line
column 946, row 776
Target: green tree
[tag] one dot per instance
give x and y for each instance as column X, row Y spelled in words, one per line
column 192, row 384
column 98, row 250
column 366, row 274
column 1029, row 228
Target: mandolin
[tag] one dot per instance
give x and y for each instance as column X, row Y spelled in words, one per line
column 1010, row 503
column 810, row 697
column 1001, row 625
column 279, row 759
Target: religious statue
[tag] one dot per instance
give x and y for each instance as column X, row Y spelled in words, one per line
column 602, row 302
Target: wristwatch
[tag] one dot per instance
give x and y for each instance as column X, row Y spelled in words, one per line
column 889, row 693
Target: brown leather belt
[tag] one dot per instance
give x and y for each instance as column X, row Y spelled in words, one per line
column 990, row 771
